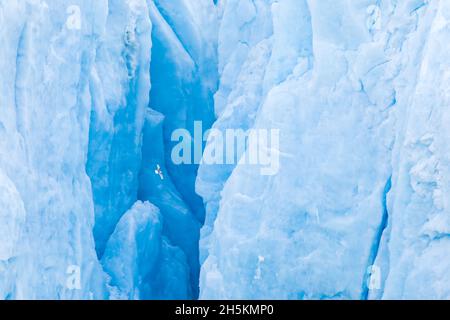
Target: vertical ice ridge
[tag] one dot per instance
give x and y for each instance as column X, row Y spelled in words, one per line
column 377, row 242
column 20, row 52
column 366, row 59
column 45, row 107
column 420, row 172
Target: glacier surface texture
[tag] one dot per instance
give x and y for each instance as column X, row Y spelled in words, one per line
column 119, row 178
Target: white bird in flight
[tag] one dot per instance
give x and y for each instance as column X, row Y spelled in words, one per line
column 159, row 172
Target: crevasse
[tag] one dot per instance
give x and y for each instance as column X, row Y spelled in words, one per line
column 182, row 82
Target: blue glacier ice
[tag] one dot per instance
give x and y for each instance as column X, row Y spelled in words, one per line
column 357, row 211
column 93, row 206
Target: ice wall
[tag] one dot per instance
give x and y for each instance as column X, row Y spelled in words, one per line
column 79, row 146
column 184, row 78
column 46, row 212
column 92, row 205
column 414, row 246
column 120, row 86
column 141, row 262
column 359, row 91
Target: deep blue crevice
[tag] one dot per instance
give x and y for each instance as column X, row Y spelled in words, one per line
column 178, row 98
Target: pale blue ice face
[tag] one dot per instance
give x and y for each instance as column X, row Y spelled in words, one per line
column 229, row 149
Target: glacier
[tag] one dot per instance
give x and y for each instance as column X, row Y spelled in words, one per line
column 93, row 206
